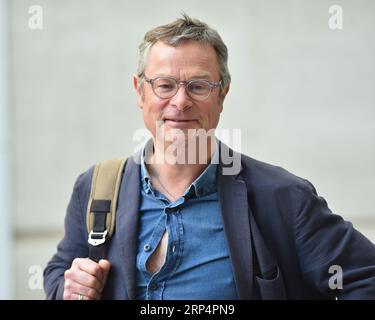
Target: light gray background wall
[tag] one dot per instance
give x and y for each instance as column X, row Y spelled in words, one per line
column 302, row 94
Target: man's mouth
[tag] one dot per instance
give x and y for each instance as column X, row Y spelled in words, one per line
column 178, row 122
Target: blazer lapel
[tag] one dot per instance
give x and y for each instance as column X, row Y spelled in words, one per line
column 235, row 213
column 127, row 223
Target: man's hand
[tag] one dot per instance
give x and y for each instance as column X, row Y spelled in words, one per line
column 86, row 278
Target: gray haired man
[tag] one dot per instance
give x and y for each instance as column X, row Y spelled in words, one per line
column 186, row 229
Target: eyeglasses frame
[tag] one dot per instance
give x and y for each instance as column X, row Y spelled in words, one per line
column 186, row 83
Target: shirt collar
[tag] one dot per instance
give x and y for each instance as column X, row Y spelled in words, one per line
column 203, row 185
column 145, row 177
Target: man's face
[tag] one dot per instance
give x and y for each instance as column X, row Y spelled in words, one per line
column 189, row 60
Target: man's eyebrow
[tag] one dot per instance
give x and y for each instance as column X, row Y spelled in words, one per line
column 202, row 76
column 205, row 76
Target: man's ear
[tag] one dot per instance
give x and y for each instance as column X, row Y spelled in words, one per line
column 223, row 93
column 138, row 86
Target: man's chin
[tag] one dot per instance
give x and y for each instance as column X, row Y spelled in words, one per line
column 177, row 140
column 178, row 136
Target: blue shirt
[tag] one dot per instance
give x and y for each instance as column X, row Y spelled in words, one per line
column 197, row 264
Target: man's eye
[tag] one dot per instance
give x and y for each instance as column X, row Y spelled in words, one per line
column 165, row 86
column 198, row 87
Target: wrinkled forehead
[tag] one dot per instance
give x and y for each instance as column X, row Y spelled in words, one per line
column 186, row 55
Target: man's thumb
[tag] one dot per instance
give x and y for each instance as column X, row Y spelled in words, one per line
column 105, row 266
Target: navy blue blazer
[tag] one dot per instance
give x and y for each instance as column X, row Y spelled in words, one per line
column 282, row 237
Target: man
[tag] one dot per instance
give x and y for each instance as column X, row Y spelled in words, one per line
column 190, row 229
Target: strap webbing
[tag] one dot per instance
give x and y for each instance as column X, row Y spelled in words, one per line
column 101, row 208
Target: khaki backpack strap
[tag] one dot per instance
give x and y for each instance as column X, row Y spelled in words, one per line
column 101, row 208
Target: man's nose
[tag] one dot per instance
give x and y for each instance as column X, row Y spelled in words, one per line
column 181, row 99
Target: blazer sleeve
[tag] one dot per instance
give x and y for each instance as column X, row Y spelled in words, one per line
column 327, row 245
column 74, row 243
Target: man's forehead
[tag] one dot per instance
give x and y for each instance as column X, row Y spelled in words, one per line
column 186, row 49
column 193, row 54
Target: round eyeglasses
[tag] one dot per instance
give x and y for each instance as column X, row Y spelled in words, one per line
column 167, row 87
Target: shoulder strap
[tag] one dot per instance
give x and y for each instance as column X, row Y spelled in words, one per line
column 101, row 208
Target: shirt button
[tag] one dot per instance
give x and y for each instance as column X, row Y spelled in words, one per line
column 169, row 210
column 147, row 247
column 153, row 286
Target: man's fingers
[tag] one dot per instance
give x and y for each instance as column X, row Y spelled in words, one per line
column 88, row 293
column 79, row 296
column 74, row 287
column 85, row 279
column 89, row 266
